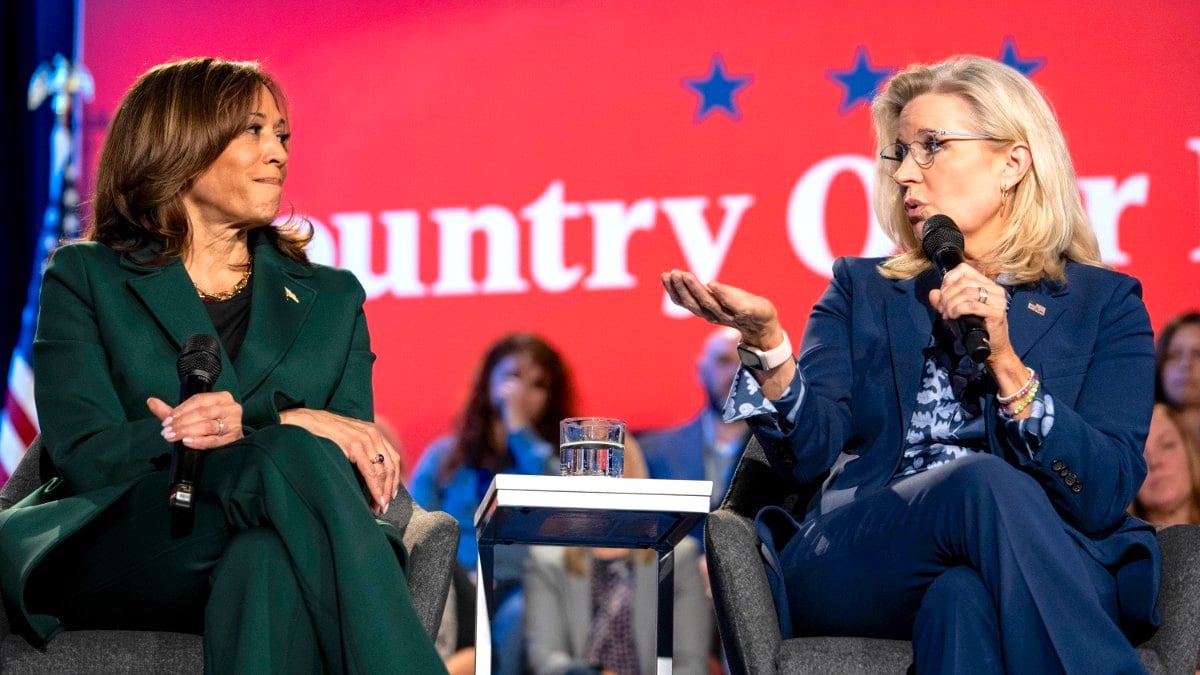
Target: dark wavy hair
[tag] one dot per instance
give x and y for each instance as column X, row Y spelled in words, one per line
column 173, row 123
column 1191, row 318
column 475, row 446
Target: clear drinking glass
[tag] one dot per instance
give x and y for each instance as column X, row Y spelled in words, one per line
column 591, row 446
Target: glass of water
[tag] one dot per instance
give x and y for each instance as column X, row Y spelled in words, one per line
column 591, row 446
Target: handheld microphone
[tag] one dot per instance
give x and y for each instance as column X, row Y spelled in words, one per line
column 199, row 365
column 943, row 242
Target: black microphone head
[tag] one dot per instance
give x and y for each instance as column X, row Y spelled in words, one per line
column 200, row 357
column 940, row 232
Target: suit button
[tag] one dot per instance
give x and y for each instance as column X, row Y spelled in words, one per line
column 1065, row 471
column 1077, row 488
column 1057, row 465
column 1070, row 480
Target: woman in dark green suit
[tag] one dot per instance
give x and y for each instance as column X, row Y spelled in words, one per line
column 285, row 569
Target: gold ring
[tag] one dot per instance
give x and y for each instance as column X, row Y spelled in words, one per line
column 983, row 295
column 220, row 427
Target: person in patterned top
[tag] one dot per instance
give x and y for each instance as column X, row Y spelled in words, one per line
column 977, row 509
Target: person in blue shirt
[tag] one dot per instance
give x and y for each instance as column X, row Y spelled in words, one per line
column 977, row 509
column 510, row 425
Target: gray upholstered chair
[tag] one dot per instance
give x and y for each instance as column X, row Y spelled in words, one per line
column 750, row 630
column 431, row 539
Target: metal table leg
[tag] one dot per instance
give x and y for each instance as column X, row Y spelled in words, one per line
column 666, row 610
column 485, row 604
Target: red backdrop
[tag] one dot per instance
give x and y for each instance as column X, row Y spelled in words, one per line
column 490, row 166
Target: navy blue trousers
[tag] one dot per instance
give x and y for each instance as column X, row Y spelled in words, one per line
column 970, row 561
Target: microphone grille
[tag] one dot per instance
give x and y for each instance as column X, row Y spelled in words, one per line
column 200, row 356
column 940, row 232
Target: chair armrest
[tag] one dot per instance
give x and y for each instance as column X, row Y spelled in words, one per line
column 746, row 615
column 1177, row 640
column 5, row 628
column 432, row 540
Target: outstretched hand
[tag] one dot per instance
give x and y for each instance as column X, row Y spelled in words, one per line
column 362, row 443
column 752, row 315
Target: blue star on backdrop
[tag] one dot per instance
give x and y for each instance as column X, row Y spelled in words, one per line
column 717, row 90
column 1008, row 56
column 861, row 81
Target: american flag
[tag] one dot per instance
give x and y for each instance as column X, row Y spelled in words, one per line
column 60, row 83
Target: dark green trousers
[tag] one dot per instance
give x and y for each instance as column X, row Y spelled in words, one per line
column 285, row 570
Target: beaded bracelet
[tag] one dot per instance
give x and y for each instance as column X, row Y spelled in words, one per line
column 1020, row 393
column 1012, row 410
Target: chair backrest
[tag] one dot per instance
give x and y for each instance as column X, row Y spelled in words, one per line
column 29, row 474
column 755, row 484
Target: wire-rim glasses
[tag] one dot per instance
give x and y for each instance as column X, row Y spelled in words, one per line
column 924, row 150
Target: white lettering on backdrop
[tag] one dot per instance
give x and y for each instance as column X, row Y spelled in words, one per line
column 613, row 224
column 1105, row 200
column 806, row 212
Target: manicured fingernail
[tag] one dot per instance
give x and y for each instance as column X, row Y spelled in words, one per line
column 186, row 441
column 168, row 433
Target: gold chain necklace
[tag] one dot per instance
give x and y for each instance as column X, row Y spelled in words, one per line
column 237, row 288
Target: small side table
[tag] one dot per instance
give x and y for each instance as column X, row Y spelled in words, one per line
column 586, row 511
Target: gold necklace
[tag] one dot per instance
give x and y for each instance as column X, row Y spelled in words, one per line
column 221, row 296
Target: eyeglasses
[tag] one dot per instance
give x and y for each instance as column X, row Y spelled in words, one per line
column 923, row 151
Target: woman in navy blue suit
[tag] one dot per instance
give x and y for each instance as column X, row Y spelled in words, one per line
column 976, row 508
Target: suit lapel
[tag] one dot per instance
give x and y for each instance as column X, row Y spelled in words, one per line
column 168, row 294
column 909, row 325
column 1032, row 310
column 162, row 289
column 278, row 309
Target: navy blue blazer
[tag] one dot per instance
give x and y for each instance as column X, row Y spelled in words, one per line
column 1090, row 342
column 677, row 452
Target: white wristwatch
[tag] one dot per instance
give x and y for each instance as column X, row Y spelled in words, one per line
column 753, row 357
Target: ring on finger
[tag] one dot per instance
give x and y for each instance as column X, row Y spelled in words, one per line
column 378, row 459
column 220, row 427
column 983, row 295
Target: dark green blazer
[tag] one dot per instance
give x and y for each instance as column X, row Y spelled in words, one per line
column 109, row 334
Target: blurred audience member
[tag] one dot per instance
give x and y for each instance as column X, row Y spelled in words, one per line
column 594, row 610
column 1170, row 494
column 510, row 425
column 1177, row 357
column 705, row 448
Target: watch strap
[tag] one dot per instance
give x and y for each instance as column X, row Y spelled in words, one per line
column 759, row 359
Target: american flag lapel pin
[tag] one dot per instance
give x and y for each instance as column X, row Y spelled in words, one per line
column 1041, row 310
column 287, row 293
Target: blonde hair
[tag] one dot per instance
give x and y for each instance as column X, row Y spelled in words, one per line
column 1192, row 451
column 1046, row 223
